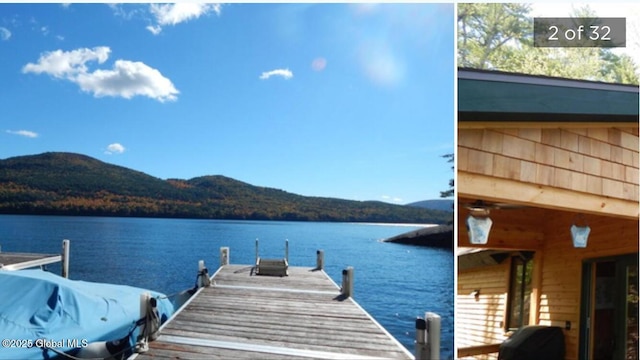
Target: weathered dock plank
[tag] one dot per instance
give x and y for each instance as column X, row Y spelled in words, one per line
column 247, row 316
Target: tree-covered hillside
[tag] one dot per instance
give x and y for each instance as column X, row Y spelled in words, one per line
column 73, row 184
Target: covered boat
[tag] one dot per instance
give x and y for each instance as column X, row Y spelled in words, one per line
column 43, row 315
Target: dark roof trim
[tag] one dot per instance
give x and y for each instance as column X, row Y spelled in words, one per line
column 501, row 76
column 470, row 116
column 498, row 96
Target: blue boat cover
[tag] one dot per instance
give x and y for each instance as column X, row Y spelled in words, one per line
column 40, row 310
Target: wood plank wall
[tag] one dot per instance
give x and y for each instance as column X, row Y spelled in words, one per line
column 600, row 161
column 480, row 320
column 562, row 268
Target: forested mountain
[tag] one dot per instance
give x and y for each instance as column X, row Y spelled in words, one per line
column 73, row 184
column 439, row 204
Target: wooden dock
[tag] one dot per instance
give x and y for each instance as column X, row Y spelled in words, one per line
column 18, row 261
column 246, row 316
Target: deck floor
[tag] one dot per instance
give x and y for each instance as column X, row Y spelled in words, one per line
column 300, row 316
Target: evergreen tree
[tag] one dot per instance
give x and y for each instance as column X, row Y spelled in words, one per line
column 500, row 37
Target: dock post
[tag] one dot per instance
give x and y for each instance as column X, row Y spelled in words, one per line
column 203, row 275
column 286, row 250
column 65, row 258
column 433, row 334
column 224, row 256
column 347, row 282
column 257, row 256
column 142, row 343
column 421, row 339
column 320, row 260
column 428, row 337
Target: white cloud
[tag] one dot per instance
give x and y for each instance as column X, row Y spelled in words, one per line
column 155, row 30
column 388, row 198
column 126, row 79
column 115, row 148
column 285, row 73
column 173, row 14
column 5, row 34
column 67, row 63
column 25, row 133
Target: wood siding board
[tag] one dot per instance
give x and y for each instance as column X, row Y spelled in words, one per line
column 601, row 150
column 551, row 137
column 563, row 178
column 545, row 175
column 616, row 154
column 569, row 141
column 528, row 171
column 534, row 135
column 615, row 137
column 629, row 141
column 631, row 175
column 579, row 182
column 630, row 191
column 612, row 188
column 518, row 148
column 627, row 158
column 506, row 167
column 492, row 141
column 584, row 145
column 592, row 166
column 544, row 154
column 480, row 162
column 462, row 159
column 470, row 138
column 601, row 134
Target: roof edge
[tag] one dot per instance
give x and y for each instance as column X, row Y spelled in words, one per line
column 511, row 77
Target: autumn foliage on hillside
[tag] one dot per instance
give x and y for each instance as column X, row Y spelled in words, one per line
column 73, row 184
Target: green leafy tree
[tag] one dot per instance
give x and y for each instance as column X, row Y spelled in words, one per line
column 499, row 37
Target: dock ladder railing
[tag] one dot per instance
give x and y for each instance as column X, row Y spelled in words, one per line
column 273, row 267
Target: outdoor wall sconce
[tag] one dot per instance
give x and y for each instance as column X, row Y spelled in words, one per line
column 580, row 234
column 478, row 229
column 476, row 294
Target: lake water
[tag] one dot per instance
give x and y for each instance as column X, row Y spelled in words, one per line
column 395, row 283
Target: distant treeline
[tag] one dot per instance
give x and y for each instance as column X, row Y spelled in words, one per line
column 73, row 184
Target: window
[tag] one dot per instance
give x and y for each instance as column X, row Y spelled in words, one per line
column 519, row 291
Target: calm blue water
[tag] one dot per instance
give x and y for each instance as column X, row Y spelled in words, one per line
column 394, row 283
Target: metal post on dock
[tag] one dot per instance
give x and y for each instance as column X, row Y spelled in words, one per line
column 428, row 337
column 319, row 259
column 224, row 256
column 286, row 250
column 257, row 256
column 347, row 282
column 65, row 258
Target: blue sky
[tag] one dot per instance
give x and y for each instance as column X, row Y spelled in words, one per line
column 352, row 101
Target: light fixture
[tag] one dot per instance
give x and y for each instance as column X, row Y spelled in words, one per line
column 580, row 234
column 478, row 228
